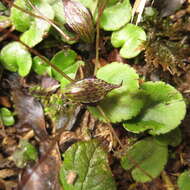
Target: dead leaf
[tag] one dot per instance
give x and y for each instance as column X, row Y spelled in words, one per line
column 29, row 112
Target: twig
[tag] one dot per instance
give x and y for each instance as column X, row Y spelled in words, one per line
column 42, row 57
column 5, row 35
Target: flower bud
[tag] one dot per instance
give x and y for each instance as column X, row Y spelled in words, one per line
column 79, row 19
column 90, row 90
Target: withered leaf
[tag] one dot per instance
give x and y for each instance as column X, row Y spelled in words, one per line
column 29, row 112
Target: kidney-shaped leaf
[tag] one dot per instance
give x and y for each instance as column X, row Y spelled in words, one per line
column 15, row 57
column 116, row 16
column 130, row 39
column 40, row 66
column 150, row 156
column 184, row 181
column 88, row 163
column 66, row 61
column 39, row 27
column 122, row 103
column 164, row 110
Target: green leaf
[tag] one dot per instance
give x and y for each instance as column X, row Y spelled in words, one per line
column 66, row 61
column 26, row 152
column 2, row 7
column 15, row 57
column 172, row 138
column 90, row 164
column 116, row 16
column 149, row 155
column 4, row 22
column 131, row 39
column 122, row 103
column 90, row 4
column 39, row 27
column 40, row 66
column 71, row 71
column 20, row 20
column 184, row 181
column 164, row 110
column 7, row 117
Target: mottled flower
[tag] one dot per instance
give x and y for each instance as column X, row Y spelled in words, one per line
column 89, row 90
column 79, row 19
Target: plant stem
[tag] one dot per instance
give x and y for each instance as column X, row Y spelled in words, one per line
column 42, row 57
column 101, row 6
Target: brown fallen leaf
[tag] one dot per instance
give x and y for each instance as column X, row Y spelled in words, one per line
column 29, row 112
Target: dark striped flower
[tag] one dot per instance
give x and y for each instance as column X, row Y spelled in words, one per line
column 79, row 19
column 89, row 90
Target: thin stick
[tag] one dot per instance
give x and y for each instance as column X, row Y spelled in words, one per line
column 168, row 184
column 117, row 138
column 109, row 125
column 41, row 16
column 5, row 35
column 42, row 57
column 101, row 7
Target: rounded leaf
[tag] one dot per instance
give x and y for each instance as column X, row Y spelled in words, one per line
column 7, row 117
column 40, row 66
column 172, row 138
column 88, row 163
column 184, row 180
column 149, row 155
column 38, row 28
column 164, row 110
column 20, row 20
column 116, row 16
column 130, row 39
column 15, row 57
column 64, row 60
column 122, row 103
